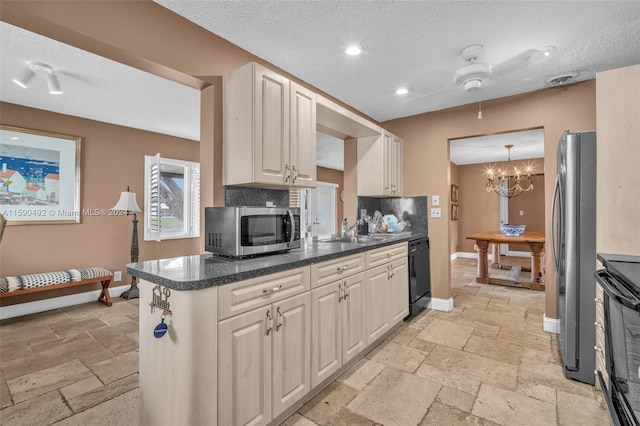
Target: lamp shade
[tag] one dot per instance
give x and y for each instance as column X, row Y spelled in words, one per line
column 127, row 202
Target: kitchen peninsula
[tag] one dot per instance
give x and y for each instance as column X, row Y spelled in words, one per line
column 249, row 341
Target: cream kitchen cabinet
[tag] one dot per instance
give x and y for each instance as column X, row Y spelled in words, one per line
column 269, row 128
column 387, row 292
column 380, row 165
column 264, row 361
column 337, row 325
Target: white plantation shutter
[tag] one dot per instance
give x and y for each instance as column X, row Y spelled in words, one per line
column 152, row 198
column 156, row 169
column 194, row 228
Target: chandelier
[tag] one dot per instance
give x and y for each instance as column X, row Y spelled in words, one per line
column 509, row 182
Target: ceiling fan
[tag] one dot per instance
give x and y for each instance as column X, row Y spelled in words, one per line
column 476, row 75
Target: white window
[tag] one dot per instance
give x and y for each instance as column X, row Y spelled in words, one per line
column 317, row 208
column 171, row 198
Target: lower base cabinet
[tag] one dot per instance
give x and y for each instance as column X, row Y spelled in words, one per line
column 337, row 325
column 387, row 297
column 264, row 361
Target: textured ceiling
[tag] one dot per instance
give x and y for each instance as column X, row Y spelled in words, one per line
column 417, row 44
column 414, row 43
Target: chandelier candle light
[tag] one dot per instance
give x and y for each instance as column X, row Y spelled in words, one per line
column 501, row 181
column 128, row 203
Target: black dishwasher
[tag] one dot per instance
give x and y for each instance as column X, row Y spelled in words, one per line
column 419, row 275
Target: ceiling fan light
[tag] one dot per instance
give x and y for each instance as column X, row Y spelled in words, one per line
column 54, row 84
column 471, row 85
column 26, row 75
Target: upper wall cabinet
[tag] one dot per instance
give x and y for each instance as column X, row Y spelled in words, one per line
column 269, row 130
column 380, row 166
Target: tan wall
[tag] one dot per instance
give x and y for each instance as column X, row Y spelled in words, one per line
column 112, row 158
column 479, row 209
column 618, row 185
column 426, row 155
column 455, row 224
column 334, row 176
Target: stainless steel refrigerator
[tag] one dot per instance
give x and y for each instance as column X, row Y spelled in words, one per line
column 573, row 246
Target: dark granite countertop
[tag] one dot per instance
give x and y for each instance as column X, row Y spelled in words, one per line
column 206, row 270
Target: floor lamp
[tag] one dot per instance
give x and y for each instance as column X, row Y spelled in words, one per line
column 127, row 202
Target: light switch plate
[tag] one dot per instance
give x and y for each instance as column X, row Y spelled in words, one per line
column 521, row 212
column 436, row 212
column 435, row 200
column 117, row 276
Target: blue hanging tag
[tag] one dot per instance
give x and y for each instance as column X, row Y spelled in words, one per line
column 160, row 330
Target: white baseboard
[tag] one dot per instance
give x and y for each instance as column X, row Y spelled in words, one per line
column 28, row 308
column 445, row 305
column 454, row 256
column 551, row 325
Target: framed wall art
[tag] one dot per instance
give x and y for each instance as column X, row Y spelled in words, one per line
column 39, row 177
column 454, row 212
column 454, row 193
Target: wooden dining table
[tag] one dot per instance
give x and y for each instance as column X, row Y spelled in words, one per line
column 487, row 240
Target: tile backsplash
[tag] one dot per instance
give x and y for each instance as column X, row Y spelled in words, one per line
column 235, row 196
column 413, row 209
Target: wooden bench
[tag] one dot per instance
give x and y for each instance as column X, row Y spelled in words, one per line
column 34, row 283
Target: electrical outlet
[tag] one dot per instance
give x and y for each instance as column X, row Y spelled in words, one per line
column 436, row 212
column 363, row 213
column 521, row 212
column 117, row 276
column 435, row 200
column 270, row 204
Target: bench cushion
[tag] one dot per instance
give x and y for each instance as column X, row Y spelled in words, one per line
column 23, row 282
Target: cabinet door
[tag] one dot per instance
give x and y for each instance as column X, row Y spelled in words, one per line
column 388, row 170
column 326, row 331
column 291, row 351
column 354, row 333
column 377, row 281
column 244, row 368
column 399, row 291
column 396, row 166
column 271, row 127
column 302, row 151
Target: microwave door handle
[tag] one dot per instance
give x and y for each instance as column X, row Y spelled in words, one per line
column 290, row 227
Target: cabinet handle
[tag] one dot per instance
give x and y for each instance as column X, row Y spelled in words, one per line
column 346, row 291
column 598, row 349
column 271, row 290
column 294, row 173
column 278, row 319
column 340, row 293
column 599, row 325
column 269, row 322
column 343, row 268
column 598, row 301
column 287, row 173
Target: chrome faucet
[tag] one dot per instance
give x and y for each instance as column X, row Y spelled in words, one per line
column 345, row 233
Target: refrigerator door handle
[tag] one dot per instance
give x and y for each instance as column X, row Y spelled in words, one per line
column 554, row 254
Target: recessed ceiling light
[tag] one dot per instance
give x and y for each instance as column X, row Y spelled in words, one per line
column 14, row 138
column 353, row 50
column 548, row 50
column 402, row 91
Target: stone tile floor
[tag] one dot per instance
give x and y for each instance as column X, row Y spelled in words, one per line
column 487, row 362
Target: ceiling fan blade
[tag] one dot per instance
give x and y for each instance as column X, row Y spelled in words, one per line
column 522, row 59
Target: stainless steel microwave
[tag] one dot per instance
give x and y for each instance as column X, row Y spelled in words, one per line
column 250, row 231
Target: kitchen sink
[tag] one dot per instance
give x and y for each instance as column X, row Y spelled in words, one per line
column 351, row 240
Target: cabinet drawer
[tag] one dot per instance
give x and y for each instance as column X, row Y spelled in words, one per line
column 243, row 296
column 387, row 254
column 332, row 270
